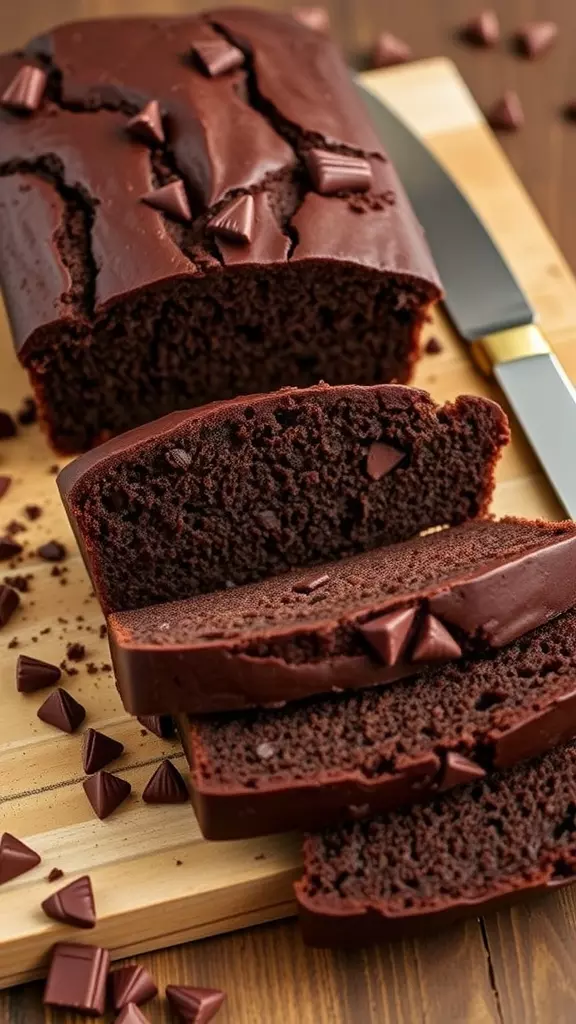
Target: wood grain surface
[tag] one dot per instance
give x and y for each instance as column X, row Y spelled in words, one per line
column 514, row 967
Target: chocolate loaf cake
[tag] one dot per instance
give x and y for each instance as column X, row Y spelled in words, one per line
column 235, row 491
column 350, row 756
column 195, row 208
column 478, row 849
column 368, row 619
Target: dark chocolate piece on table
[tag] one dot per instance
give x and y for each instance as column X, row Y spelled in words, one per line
column 27, row 413
column 5, row 482
column 52, row 551
column 9, row 601
column 24, row 93
column 98, row 750
column 235, row 222
column 55, row 875
column 507, row 113
column 166, row 786
column 7, row 426
column 434, row 642
column 338, row 172
column 77, row 978
column 170, row 199
column 132, row 984
column 316, row 18
column 146, row 125
column 15, row 858
column 382, row 459
column 106, row 792
column 62, row 711
column 160, row 725
column 217, row 56
column 194, row 1005
column 131, row 1014
column 536, row 38
column 459, row 770
column 433, row 346
column 482, row 30
column 389, row 50
column 33, row 512
column 73, row 905
column 9, row 548
column 33, row 674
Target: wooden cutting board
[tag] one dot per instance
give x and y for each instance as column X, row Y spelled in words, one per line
column 157, row 883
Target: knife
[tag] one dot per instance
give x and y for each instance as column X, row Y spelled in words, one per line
column 486, row 304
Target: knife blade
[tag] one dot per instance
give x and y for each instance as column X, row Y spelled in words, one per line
column 486, row 303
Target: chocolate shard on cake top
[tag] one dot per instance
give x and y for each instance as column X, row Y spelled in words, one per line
column 24, row 93
column 146, row 125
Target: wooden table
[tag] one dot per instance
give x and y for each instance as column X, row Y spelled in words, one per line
column 515, row 968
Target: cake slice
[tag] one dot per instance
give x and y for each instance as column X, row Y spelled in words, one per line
column 368, row 619
column 354, row 755
column 236, row 491
column 475, row 850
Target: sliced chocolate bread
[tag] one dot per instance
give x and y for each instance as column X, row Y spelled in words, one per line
column 236, row 491
column 368, row 619
column 349, row 756
column 475, row 850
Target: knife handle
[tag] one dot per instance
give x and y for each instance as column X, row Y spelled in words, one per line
column 505, row 346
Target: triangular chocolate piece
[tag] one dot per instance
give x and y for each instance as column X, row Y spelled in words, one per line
column 146, row 125
column 316, row 18
column 507, row 114
column 131, row 1014
column 98, row 750
column 9, row 601
column 62, row 711
column 337, row 172
column 74, row 904
column 382, row 459
column 458, row 770
column 132, row 984
column 536, row 38
column 483, row 30
column 166, row 786
column 217, row 56
column 195, row 1005
column 160, row 725
column 32, row 674
column 235, row 222
column 106, row 792
column 388, row 51
column 388, row 634
column 25, row 91
column 434, row 642
column 15, row 858
column 170, row 199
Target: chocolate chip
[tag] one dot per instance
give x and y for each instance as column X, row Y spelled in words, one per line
column 147, row 124
column 458, row 770
column 316, row 18
column 55, row 875
column 507, row 114
column 15, row 858
column 27, row 413
column 73, row 905
column 482, row 30
column 32, row 512
column 32, row 674
column 98, row 750
column 535, row 38
column 160, row 725
column 7, row 426
column 433, row 346
column 5, row 482
column 9, row 548
column 309, row 586
column 198, row 1005
column 106, row 792
column 178, row 458
column 132, row 984
column 52, row 551
column 216, row 56
column 25, row 91
column 434, row 642
column 382, row 459
column 166, row 786
column 265, row 751
column 76, row 652
column 388, row 634
column 9, row 601
column 62, row 711
column 77, row 978
column 336, row 172
column 235, row 223
column 388, row 51
column 170, row 199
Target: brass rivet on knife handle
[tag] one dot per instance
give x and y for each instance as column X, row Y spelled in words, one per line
column 505, row 346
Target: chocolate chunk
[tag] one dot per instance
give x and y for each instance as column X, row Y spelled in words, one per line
column 146, row 125
column 15, row 858
column 160, row 725
column 32, row 512
column 507, row 114
column 166, row 786
column 195, row 1005
column 98, row 750
column 216, row 56
column 74, row 904
column 77, row 978
column 336, row 172
column 76, row 652
column 316, row 18
column 235, row 222
column 309, row 586
column 52, row 551
column 382, row 459
column 32, row 674
column 55, row 875
column 9, row 548
column 5, row 482
column 178, row 458
column 131, row 1014
column 106, row 792
column 27, row 413
column 170, row 199
column 458, row 770
column 536, row 37
column 482, row 30
column 132, row 984
column 434, row 642
column 62, row 711
column 9, row 601
column 265, row 751
column 7, row 426
column 433, row 346
column 388, row 51
column 25, row 91
column 389, row 633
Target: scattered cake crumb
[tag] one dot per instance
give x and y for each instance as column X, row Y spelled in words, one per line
column 55, row 875
column 76, row 652
column 32, row 512
column 433, row 346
